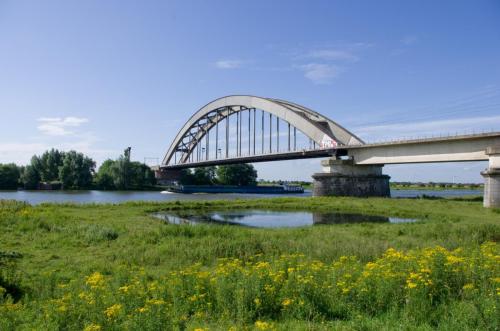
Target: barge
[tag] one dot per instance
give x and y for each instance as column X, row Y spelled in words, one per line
column 274, row 189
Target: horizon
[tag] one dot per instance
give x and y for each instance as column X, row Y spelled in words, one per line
column 98, row 77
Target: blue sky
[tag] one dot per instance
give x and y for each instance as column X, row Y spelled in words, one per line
column 99, row 76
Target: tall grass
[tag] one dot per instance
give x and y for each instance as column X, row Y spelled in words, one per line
column 141, row 273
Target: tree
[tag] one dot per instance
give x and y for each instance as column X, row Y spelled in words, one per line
column 76, row 171
column 121, row 171
column 123, row 174
column 49, row 164
column 204, row 176
column 141, row 175
column 30, row 177
column 104, row 177
column 9, row 176
column 237, row 174
column 186, row 177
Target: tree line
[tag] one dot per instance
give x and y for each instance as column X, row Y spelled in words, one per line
column 73, row 170
column 234, row 174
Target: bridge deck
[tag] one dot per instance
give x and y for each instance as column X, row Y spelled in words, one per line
column 304, row 154
column 439, row 149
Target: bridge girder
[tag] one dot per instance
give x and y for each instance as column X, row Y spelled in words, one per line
column 312, row 124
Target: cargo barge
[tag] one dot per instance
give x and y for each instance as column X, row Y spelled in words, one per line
column 275, row 189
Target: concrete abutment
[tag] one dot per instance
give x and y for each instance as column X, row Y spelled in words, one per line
column 344, row 178
column 492, row 179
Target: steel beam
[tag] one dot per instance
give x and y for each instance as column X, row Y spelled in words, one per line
column 262, row 132
column 289, row 137
column 249, row 152
column 237, row 133
column 241, row 124
column 227, row 136
column 217, row 136
column 270, row 133
column 277, row 134
column 254, row 110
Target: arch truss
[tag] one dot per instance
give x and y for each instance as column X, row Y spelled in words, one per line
column 236, row 125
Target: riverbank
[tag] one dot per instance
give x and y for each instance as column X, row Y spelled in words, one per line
column 115, row 266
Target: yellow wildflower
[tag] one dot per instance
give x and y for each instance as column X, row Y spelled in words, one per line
column 92, row 327
column 451, row 259
column 124, row 289
column 411, row 285
column 142, row 309
column 468, row 286
column 113, row 311
column 156, row 302
column 261, row 325
column 287, row 302
column 95, row 280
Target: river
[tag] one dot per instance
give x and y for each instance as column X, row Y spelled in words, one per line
column 37, row 197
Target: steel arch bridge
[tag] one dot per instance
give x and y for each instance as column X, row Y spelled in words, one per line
column 216, row 134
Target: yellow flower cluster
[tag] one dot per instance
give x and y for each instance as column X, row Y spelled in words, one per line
column 113, row 311
column 92, row 327
column 261, row 325
column 95, row 280
column 259, row 290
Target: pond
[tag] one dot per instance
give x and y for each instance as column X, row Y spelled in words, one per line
column 273, row 219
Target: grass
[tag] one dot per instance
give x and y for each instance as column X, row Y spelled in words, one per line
column 49, row 252
column 436, row 186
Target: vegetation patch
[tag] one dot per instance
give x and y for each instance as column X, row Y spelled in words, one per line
column 114, row 267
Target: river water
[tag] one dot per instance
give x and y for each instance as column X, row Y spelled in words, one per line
column 37, row 197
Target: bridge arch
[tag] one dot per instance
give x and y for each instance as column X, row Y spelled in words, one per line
column 315, row 126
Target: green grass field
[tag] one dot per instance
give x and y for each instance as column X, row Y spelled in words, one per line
column 114, row 267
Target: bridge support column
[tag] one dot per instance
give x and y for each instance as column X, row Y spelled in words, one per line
column 344, row 178
column 167, row 177
column 492, row 179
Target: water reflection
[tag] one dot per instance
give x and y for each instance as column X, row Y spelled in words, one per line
column 274, row 219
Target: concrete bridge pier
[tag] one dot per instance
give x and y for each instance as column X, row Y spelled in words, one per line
column 344, row 178
column 492, row 179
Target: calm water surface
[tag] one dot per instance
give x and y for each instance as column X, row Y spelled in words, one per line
column 273, row 219
column 36, row 197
